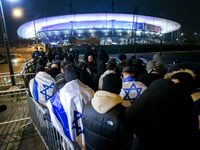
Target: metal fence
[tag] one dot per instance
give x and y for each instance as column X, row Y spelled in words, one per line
column 52, row 139
column 14, row 118
column 21, row 80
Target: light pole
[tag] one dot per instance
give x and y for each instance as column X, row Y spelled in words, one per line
column 6, row 44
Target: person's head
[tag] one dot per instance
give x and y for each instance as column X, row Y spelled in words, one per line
column 70, row 72
column 111, row 65
column 112, row 83
column 54, row 65
column 122, row 57
column 90, row 58
column 35, row 49
column 39, row 68
column 41, row 49
column 184, row 77
column 41, row 61
column 63, row 64
column 158, row 67
column 128, row 71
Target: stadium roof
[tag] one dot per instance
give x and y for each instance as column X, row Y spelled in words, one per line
column 29, row 29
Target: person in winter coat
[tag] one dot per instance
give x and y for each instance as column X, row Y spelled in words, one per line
column 187, row 79
column 111, row 66
column 103, row 118
column 164, row 117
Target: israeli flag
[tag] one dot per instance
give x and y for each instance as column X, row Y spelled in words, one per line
column 66, row 109
column 41, row 87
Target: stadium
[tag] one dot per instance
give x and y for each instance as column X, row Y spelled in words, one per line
column 100, row 28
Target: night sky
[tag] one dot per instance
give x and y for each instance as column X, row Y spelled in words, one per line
column 187, row 13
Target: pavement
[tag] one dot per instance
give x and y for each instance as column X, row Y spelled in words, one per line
column 31, row 139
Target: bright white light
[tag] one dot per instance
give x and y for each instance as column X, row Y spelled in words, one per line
column 18, row 12
column 138, row 32
column 13, row 1
column 91, row 30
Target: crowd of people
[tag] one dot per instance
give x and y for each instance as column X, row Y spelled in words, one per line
column 100, row 104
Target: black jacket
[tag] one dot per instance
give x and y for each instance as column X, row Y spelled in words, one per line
column 105, row 129
column 164, row 117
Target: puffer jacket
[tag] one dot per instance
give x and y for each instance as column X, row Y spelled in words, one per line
column 103, row 122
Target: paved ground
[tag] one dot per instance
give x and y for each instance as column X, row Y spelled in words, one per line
column 14, row 133
column 31, row 140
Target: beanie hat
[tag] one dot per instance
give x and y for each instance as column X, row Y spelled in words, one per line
column 112, row 83
column 129, row 69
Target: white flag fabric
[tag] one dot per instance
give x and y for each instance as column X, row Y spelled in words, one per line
column 41, row 87
column 66, row 108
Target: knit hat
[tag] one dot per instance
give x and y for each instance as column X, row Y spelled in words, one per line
column 112, row 83
column 128, row 69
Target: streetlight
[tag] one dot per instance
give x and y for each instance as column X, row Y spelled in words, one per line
column 6, row 43
column 17, row 12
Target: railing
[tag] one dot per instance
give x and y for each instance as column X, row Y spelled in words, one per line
column 21, row 80
column 52, row 139
column 14, row 118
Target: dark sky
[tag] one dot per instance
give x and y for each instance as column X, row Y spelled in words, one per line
column 186, row 12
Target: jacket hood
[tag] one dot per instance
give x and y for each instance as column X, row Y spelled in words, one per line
column 195, row 96
column 104, row 101
column 169, row 75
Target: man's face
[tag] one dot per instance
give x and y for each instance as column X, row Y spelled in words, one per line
column 90, row 58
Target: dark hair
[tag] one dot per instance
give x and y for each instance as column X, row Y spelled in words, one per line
column 122, row 57
column 64, row 63
column 111, row 65
column 71, row 72
column 103, row 56
column 39, row 68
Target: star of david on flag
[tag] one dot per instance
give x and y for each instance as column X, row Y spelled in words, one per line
column 45, row 91
column 132, row 88
column 77, row 117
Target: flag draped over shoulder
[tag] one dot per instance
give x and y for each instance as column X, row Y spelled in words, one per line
column 41, row 87
column 66, row 108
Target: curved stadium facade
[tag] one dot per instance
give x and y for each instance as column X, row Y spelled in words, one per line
column 107, row 28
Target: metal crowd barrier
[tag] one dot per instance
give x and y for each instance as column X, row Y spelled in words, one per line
column 52, row 139
column 14, row 118
column 21, row 80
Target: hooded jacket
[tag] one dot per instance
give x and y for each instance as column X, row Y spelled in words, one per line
column 103, row 121
column 164, row 117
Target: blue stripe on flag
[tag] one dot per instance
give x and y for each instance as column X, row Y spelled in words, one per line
column 60, row 114
column 35, row 90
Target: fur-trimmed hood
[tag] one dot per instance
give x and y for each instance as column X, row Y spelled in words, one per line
column 169, row 75
column 103, row 101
